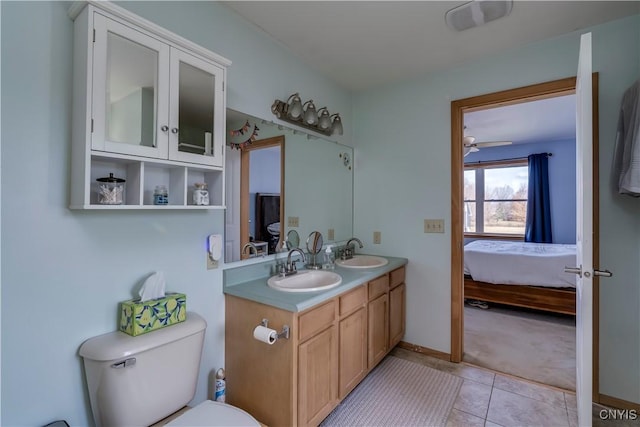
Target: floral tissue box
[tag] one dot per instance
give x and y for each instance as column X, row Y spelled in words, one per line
column 137, row 318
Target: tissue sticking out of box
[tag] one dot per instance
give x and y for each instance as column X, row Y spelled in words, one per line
column 153, row 287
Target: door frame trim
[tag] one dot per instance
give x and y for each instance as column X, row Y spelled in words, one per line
column 509, row 97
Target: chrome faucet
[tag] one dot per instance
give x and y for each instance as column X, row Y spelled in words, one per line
column 250, row 246
column 348, row 252
column 290, row 267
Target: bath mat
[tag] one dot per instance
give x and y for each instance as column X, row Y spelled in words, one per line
column 398, row 393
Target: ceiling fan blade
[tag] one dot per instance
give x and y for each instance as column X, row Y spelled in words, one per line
column 492, row 143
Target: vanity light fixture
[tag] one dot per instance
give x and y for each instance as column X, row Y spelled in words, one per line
column 306, row 115
column 294, row 104
column 310, row 114
column 324, row 119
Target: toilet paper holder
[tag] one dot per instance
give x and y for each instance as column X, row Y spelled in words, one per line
column 283, row 334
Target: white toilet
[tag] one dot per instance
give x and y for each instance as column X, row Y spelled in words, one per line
column 138, row 381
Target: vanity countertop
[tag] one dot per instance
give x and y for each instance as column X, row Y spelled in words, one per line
column 257, row 289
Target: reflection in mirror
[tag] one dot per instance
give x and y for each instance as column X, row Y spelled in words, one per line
column 131, row 79
column 293, row 240
column 314, row 246
column 195, row 110
column 261, row 187
column 318, row 189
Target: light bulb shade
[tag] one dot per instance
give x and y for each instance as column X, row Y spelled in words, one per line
column 310, row 114
column 336, row 125
column 294, row 107
column 324, row 119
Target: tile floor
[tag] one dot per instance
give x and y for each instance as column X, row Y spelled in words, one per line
column 489, row 399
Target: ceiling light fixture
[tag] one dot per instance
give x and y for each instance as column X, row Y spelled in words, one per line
column 305, row 115
column 477, row 12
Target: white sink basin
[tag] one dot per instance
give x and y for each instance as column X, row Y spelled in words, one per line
column 306, row 281
column 363, row 261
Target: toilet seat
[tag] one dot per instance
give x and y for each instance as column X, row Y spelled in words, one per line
column 210, row 413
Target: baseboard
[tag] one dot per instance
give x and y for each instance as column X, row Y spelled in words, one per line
column 424, row 350
column 614, row 402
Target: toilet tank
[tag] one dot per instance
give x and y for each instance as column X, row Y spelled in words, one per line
column 136, row 381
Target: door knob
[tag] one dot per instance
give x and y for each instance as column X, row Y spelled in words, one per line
column 602, row 273
column 574, row 270
column 174, row 130
column 164, row 128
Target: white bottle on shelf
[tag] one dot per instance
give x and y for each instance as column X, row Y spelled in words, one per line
column 329, row 259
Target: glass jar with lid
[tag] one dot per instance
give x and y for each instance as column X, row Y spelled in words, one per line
column 110, row 190
column 160, row 195
column 200, row 194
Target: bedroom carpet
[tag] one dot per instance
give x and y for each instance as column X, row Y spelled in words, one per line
column 398, row 393
column 530, row 345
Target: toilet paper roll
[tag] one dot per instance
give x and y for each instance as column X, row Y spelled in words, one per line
column 266, row 335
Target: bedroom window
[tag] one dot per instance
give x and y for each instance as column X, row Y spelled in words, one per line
column 495, row 198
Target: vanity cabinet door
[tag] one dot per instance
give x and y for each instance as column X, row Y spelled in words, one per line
column 197, row 112
column 353, row 351
column 130, row 91
column 317, row 377
column 378, row 314
column 396, row 314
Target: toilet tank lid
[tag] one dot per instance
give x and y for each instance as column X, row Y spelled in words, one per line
column 117, row 345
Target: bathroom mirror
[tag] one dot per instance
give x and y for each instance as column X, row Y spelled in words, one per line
column 293, row 239
column 131, row 89
column 314, row 246
column 317, row 186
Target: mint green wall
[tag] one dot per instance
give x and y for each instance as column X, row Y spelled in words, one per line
column 64, row 271
column 402, row 176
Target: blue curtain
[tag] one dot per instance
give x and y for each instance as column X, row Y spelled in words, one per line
column 538, row 226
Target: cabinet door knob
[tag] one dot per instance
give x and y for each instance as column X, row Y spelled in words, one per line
column 164, row 128
column 174, row 130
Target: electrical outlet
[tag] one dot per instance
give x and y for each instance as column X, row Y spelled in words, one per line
column 434, row 225
column 377, row 238
column 293, row 221
column 331, row 235
column 211, row 264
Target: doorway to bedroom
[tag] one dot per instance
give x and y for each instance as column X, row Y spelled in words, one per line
column 513, row 309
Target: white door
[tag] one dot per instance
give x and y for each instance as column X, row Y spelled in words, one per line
column 584, row 233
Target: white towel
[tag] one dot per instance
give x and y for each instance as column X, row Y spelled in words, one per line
column 627, row 148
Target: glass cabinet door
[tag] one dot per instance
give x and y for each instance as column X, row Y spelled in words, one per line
column 130, row 91
column 196, row 111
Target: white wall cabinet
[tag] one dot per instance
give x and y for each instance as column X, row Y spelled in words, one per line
column 149, row 107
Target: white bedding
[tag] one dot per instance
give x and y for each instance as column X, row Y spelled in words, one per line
column 520, row 263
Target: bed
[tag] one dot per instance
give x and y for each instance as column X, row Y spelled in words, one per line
column 521, row 274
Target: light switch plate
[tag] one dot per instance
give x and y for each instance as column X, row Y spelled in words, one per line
column 377, row 238
column 331, row 235
column 434, row 225
column 293, row 221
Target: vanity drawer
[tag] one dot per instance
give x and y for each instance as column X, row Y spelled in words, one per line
column 378, row 286
column 316, row 319
column 397, row 277
column 352, row 300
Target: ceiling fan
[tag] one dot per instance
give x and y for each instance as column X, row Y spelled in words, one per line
column 471, row 146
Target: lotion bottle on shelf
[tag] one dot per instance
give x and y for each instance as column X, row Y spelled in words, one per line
column 329, row 259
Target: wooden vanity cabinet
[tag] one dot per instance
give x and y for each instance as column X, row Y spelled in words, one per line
column 317, row 363
column 397, row 306
column 378, row 319
column 331, row 348
column 352, row 340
